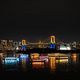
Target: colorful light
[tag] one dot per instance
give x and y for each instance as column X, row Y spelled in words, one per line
column 24, row 56
column 52, row 46
column 23, row 47
column 11, row 60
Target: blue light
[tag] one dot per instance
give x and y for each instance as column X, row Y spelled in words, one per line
column 23, row 47
column 24, row 56
column 52, row 46
column 18, row 59
column 11, row 60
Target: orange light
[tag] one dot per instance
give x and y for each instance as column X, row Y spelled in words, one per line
column 37, row 62
column 62, row 61
column 37, row 65
column 35, row 56
column 23, row 42
column 52, row 63
column 74, row 57
column 52, row 39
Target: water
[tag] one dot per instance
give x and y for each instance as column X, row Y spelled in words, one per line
column 48, row 66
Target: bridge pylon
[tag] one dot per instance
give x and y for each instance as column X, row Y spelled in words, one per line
column 52, row 39
column 52, row 42
column 24, row 47
column 24, row 42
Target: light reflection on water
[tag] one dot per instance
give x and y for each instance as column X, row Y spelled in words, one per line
column 53, row 62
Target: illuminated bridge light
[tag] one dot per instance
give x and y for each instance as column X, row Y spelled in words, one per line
column 24, row 42
column 52, row 39
column 23, row 47
column 52, row 46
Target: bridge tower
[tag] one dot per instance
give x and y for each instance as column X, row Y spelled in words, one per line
column 52, row 42
column 24, row 42
column 24, row 47
column 52, row 39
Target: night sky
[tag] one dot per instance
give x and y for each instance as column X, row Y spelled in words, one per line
column 36, row 19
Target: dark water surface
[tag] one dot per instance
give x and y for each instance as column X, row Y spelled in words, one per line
column 36, row 66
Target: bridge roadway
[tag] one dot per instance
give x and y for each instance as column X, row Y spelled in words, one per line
column 37, row 43
column 47, row 50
